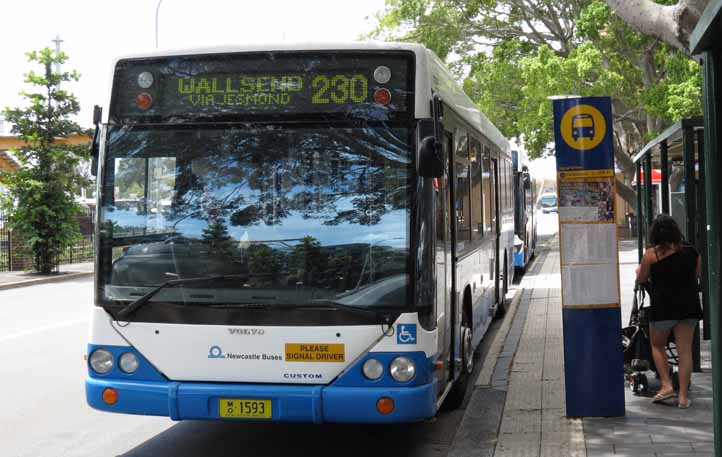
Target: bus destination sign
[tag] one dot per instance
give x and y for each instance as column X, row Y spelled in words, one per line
column 278, row 92
column 212, row 86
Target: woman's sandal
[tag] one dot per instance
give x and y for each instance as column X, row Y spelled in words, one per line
column 681, row 405
column 663, row 396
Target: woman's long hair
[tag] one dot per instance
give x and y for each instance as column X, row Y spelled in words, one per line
column 664, row 232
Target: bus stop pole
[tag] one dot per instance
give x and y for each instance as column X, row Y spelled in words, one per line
column 690, row 204
column 640, row 216
column 664, row 168
column 702, row 232
column 712, row 94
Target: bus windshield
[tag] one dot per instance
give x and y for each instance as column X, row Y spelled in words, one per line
column 549, row 200
column 299, row 214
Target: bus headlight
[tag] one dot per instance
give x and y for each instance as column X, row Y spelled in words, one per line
column 373, row 369
column 101, row 361
column 128, row 362
column 402, row 369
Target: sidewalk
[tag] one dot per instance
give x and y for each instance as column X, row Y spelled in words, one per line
column 534, row 421
column 649, row 429
column 529, row 373
column 15, row 279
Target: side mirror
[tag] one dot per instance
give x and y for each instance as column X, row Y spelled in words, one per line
column 430, row 165
column 95, row 145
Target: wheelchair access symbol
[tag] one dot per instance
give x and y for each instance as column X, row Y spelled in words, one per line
column 406, row 334
column 583, row 127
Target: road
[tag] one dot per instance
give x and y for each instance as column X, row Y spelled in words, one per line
column 43, row 333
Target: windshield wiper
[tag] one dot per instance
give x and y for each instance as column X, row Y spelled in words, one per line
column 132, row 307
column 330, row 304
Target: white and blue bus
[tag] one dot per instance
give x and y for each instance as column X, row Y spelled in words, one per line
column 310, row 234
column 525, row 222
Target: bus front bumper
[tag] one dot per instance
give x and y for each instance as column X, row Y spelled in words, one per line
column 290, row 403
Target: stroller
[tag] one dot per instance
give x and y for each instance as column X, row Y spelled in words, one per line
column 637, row 347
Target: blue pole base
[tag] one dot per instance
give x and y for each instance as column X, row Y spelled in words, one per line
column 593, row 362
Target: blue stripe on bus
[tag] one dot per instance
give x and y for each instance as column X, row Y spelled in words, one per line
column 351, row 398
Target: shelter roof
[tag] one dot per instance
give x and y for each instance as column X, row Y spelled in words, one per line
column 673, row 137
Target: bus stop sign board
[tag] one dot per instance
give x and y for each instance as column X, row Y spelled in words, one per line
column 586, row 189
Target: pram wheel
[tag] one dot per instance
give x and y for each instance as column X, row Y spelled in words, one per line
column 638, row 383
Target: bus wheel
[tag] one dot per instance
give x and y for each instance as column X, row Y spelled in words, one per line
column 456, row 395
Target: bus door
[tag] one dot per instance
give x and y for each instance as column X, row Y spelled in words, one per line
column 496, row 221
column 490, row 218
column 444, row 272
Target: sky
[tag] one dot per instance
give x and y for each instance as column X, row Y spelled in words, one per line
column 97, row 31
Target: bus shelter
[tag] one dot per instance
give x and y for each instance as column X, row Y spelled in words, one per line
column 677, row 156
column 705, row 43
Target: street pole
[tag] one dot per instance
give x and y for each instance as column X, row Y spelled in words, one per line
column 157, row 10
column 712, row 90
column 57, row 42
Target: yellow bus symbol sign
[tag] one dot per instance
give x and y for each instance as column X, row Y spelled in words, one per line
column 583, row 127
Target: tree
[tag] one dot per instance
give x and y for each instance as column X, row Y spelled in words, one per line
column 40, row 199
column 672, row 24
column 217, row 237
column 308, row 261
column 513, row 54
column 463, row 26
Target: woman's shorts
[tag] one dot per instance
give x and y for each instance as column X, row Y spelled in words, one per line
column 665, row 326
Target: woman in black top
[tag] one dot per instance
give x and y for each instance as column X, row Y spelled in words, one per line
column 673, row 268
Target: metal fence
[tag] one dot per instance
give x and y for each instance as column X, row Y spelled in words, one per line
column 13, row 259
column 82, row 251
column 5, row 248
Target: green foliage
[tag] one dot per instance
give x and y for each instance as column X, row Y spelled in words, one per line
column 678, row 94
column 217, row 237
column 264, row 262
column 40, row 199
column 307, row 260
column 513, row 54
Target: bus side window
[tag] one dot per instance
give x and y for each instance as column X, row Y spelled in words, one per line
column 477, row 228
column 502, row 186
column 487, row 190
column 511, row 184
column 461, row 191
column 507, row 185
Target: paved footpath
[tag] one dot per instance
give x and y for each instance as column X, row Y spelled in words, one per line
column 652, row 429
column 534, row 421
column 15, row 279
column 527, row 383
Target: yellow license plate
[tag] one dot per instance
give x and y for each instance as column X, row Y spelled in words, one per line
column 245, row 408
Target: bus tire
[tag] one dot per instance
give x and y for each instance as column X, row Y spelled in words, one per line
column 456, row 395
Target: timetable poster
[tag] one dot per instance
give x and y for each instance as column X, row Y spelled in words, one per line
column 586, row 189
column 586, row 199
